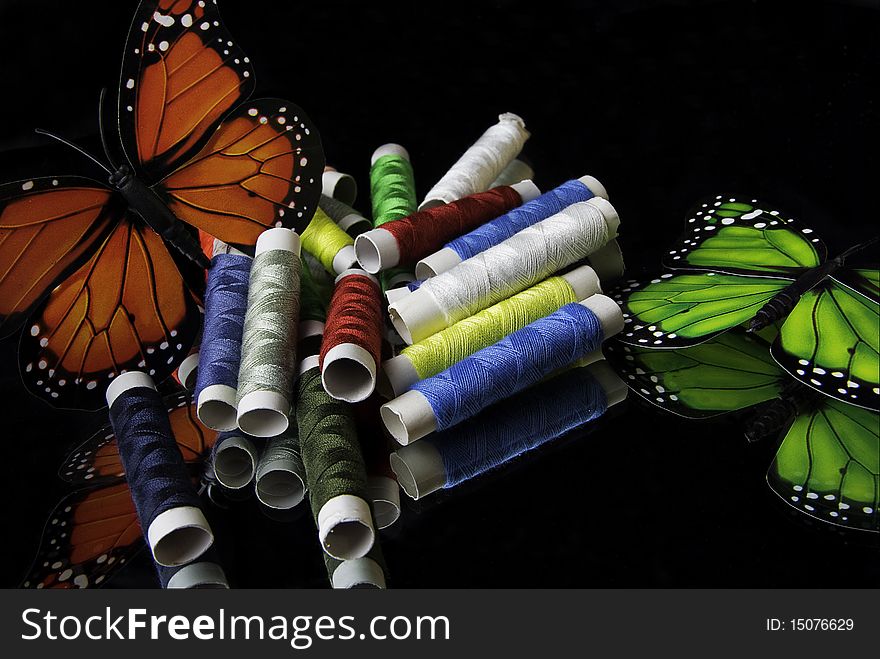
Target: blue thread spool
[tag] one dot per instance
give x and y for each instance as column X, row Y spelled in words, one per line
column 168, row 508
column 503, row 227
column 507, row 430
column 494, row 373
column 220, row 353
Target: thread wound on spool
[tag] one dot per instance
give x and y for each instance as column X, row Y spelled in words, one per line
column 346, row 217
column 354, row 318
column 518, row 218
column 517, row 361
column 334, row 466
column 421, row 233
column 447, row 347
column 392, row 189
column 481, row 163
column 268, row 353
column 220, row 353
column 281, row 476
column 157, row 476
column 324, row 240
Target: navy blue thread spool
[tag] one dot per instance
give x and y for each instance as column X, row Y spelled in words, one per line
column 509, row 429
column 205, row 573
column 168, row 508
column 235, row 460
column 226, row 297
column 491, row 374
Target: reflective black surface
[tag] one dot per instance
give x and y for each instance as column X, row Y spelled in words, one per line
column 664, row 102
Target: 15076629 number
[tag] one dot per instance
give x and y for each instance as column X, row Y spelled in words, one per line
column 811, row 624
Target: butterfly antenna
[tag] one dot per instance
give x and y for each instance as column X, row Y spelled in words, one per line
column 101, row 130
column 858, row 248
column 73, row 146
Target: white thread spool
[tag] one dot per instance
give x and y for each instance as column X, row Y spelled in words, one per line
column 409, row 417
column 517, row 170
column 339, row 186
column 482, row 163
column 419, row 467
column 446, row 258
column 235, row 460
column 398, row 373
column 178, row 535
column 345, row 527
column 521, row 261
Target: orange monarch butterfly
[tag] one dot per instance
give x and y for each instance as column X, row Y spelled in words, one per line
column 94, row 531
column 88, row 266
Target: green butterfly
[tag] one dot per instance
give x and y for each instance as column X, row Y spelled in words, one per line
column 828, row 464
column 760, row 267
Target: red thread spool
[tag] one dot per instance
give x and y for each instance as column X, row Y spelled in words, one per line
column 415, row 236
column 352, row 345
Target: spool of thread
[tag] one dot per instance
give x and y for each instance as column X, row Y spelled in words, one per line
column 335, row 474
column 328, row 243
column 482, row 163
column 268, row 351
column 187, row 373
column 382, row 488
column 203, row 573
column 346, row 217
column 521, row 261
column 519, row 424
column 352, row 342
column 517, row 170
column 337, row 185
column 235, row 460
column 410, row 238
column 365, row 572
column 281, row 477
column 226, row 295
column 517, row 361
column 167, row 505
column 315, row 292
column 449, row 346
column 504, row 226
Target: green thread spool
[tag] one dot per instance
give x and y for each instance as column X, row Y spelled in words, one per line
column 315, row 292
column 328, row 243
column 335, row 474
column 268, row 349
column 449, row 346
column 393, row 196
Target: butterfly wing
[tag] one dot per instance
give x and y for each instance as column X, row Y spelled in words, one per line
column 261, row 168
column 97, row 459
column 684, row 310
column 744, row 237
column 88, row 535
column 828, row 465
column 181, row 74
column 127, row 307
column 732, row 371
column 48, row 226
column 831, row 339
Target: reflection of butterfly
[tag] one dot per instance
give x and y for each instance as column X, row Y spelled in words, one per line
column 828, row 464
column 94, row 530
column 765, row 268
column 89, row 264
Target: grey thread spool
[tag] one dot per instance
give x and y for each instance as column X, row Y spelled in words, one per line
column 235, row 458
column 281, row 477
column 268, row 350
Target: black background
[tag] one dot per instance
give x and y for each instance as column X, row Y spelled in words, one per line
column 664, row 102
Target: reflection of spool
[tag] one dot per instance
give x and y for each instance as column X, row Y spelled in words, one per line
column 339, row 186
column 519, row 424
column 482, row 163
column 280, row 477
column 235, row 459
column 384, row 494
column 365, row 572
column 449, row 346
column 517, row 361
column 268, row 352
column 503, row 227
column 410, row 238
column 352, row 337
column 513, row 265
column 204, row 573
column 168, row 507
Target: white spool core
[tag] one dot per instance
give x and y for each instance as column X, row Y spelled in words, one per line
column 349, row 373
column 389, row 149
column 607, row 311
column 527, row 190
column 384, row 494
column 358, row 573
column 345, row 527
column 235, row 460
column 397, row 375
column 179, row 535
column 419, row 469
column 392, row 295
column 199, row 575
column 409, row 417
column 340, row 186
column 583, row 281
column 344, row 259
column 188, row 370
column 216, row 407
column 417, row 316
column 263, row 413
column 278, row 238
column 278, row 485
column 612, row 219
column 615, row 388
column 377, row 250
column 594, row 186
column 126, row 381
column 607, row 261
column 436, row 263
